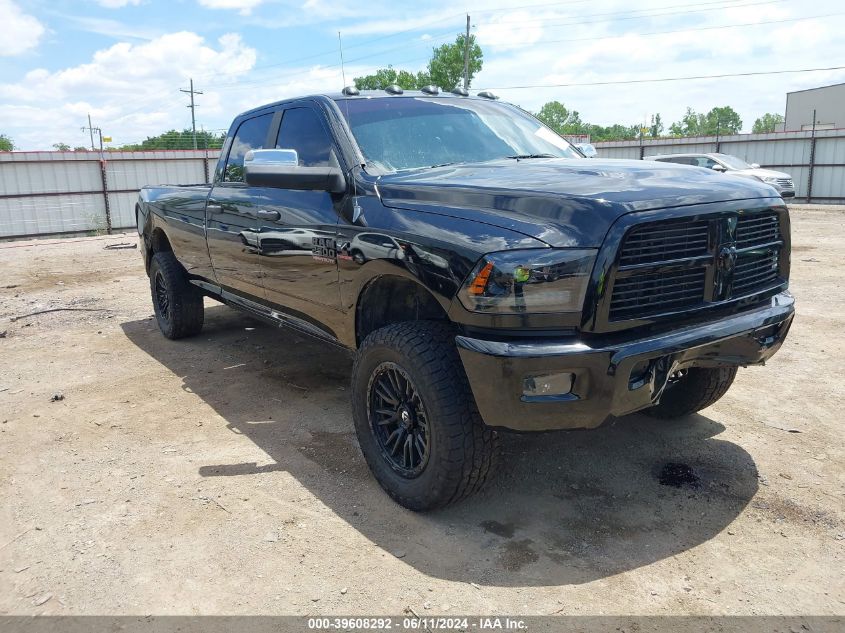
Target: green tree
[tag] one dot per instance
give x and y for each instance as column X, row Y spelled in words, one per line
column 720, row 120
column 61, row 147
column 174, row 139
column 446, row 67
column 615, row 132
column 769, row 122
column 6, row 144
column 80, row 148
column 561, row 119
column 656, row 127
column 568, row 122
column 385, row 77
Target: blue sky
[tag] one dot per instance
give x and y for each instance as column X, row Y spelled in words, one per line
column 124, row 61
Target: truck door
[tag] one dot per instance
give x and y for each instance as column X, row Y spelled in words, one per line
column 231, row 213
column 297, row 229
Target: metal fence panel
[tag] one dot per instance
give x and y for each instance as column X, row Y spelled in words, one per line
column 122, row 206
column 828, row 183
column 830, row 150
column 47, row 193
column 50, row 215
column 49, row 177
column 134, row 174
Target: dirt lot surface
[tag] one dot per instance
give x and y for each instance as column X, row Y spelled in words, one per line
column 221, row 474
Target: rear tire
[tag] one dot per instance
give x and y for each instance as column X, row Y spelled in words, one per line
column 697, row 389
column 416, row 419
column 177, row 303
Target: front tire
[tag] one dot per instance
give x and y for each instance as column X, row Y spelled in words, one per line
column 693, row 390
column 177, row 303
column 416, row 419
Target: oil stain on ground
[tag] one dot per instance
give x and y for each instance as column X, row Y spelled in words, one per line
column 678, row 476
column 505, row 530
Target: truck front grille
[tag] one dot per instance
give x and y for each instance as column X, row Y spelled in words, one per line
column 652, row 293
column 649, row 244
column 676, row 265
column 754, row 230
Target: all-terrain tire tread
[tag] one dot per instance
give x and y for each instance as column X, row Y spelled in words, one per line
column 186, row 301
column 471, row 448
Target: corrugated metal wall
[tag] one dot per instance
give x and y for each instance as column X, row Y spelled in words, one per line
column 43, row 193
column 799, row 154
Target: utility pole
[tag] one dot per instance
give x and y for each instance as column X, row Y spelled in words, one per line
column 103, row 172
column 718, row 133
column 91, row 129
column 466, row 57
column 193, row 92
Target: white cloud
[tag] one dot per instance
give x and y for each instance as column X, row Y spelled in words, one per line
column 130, row 90
column 620, row 51
column 499, row 32
column 244, row 6
column 112, row 28
column 117, row 4
column 25, row 29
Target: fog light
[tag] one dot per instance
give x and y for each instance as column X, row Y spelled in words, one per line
column 547, row 384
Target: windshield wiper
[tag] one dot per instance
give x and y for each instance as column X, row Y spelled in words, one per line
column 524, row 156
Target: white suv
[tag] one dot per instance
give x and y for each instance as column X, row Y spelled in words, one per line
column 736, row 166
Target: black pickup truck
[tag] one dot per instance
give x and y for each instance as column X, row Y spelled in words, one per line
column 486, row 274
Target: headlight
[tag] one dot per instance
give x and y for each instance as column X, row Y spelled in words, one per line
column 538, row 280
column 770, row 180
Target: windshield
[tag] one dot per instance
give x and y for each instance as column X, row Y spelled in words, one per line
column 411, row 132
column 732, row 161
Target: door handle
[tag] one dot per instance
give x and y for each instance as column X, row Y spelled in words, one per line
column 268, row 215
column 213, row 208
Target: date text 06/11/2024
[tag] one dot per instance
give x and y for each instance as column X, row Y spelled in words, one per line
column 417, row 623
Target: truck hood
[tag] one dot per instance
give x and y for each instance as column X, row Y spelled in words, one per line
column 561, row 201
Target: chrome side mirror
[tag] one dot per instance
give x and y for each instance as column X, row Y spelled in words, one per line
column 269, row 157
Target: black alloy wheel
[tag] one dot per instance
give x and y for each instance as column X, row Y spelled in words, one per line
column 162, row 301
column 399, row 420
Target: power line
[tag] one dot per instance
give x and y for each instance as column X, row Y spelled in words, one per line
column 236, row 85
column 705, row 7
column 689, row 30
column 664, row 79
column 288, row 75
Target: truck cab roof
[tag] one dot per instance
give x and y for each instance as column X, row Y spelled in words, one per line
column 392, row 92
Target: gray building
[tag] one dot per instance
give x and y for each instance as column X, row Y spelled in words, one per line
column 827, row 101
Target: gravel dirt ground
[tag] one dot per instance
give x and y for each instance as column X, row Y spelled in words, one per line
column 221, row 474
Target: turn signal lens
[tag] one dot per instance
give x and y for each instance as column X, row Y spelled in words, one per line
column 480, row 282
